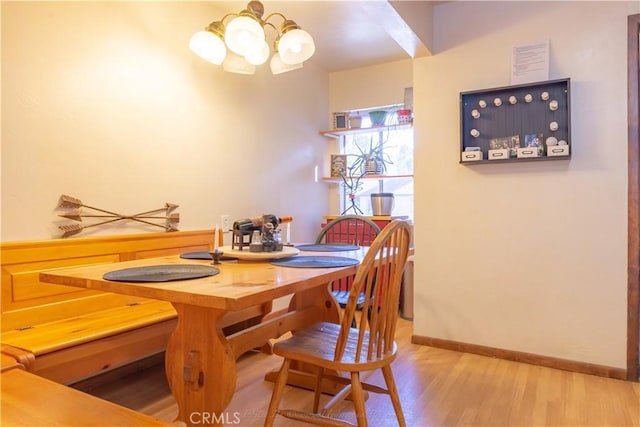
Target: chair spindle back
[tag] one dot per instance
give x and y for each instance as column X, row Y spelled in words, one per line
column 349, row 229
column 379, row 278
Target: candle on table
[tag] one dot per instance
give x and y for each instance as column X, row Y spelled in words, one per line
column 288, row 233
column 215, row 238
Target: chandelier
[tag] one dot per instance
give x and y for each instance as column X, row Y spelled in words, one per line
column 240, row 44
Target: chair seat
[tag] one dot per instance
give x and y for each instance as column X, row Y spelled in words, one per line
column 342, row 296
column 317, row 344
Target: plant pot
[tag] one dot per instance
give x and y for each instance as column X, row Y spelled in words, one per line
column 355, row 122
column 404, row 117
column 372, row 167
column 377, row 117
column 382, row 204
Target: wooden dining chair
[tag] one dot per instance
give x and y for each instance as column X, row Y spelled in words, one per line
column 348, row 229
column 334, row 349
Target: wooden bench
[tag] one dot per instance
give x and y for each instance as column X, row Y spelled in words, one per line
column 7, row 362
column 65, row 333
column 30, row 400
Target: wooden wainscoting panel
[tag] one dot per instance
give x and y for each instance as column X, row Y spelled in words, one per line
column 26, row 285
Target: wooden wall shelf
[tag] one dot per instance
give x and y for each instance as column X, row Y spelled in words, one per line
column 338, row 179
column 336, row 133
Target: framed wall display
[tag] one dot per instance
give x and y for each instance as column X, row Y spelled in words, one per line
column 517, row 119
column 338, row 165
column 340, row 120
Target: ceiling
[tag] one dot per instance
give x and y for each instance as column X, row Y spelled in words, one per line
column 354, row 33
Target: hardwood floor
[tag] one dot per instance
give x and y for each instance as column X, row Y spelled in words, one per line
column 437, row 388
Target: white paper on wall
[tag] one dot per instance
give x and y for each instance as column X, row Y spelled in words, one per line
column 530, row 63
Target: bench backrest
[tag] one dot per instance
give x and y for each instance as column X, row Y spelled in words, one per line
column 25, row 299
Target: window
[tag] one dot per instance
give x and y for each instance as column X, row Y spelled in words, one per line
column 398, row 149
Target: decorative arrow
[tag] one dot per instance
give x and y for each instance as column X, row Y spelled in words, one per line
column 74, row 203
column 77, row 216
column 70, row 230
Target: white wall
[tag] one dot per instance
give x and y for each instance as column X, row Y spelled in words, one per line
column 104, row 101
column 528, row 257
column 368, row 87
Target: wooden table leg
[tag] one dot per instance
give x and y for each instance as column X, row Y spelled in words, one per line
column 320, row 297
column 200, row 366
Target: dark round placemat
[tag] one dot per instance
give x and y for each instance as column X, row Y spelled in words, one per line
column 328, row 247
column 161, row 273
column 196, row 255
column 315, row 261
column 204, row 255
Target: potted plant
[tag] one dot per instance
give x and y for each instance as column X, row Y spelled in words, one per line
column 372, row 160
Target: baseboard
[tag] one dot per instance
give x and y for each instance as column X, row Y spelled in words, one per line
column 517, row 356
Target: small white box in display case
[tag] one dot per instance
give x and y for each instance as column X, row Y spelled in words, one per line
column 499, row 154
column 557, row 150
column 471, row 156
column 526, row 152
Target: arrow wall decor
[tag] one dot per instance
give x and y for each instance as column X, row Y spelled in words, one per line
column 68, row 202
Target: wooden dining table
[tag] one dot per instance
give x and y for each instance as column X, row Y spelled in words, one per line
column 200, row 360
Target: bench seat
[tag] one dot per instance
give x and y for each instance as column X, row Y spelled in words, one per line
column 8, row 362
column 44, row 338
column 78, row 346
column 30, row 400
column 67, row 334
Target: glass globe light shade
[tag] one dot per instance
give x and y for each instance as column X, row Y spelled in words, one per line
column 234, row 63
column 296, row 46
column 244, row 35
column 279, row 67
column 208, row 46
column 259, row 56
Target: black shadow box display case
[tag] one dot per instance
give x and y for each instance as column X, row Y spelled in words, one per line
column 528, row 122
